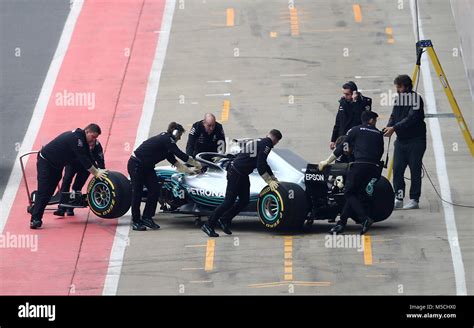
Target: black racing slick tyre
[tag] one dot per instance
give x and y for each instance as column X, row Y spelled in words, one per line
column 111, row 197
column 382, row 202
column 285, row 208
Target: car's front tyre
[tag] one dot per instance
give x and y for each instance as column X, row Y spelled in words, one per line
column 284, row 208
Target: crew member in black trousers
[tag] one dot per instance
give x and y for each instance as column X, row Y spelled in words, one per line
column 253, row 155
column 366, row 141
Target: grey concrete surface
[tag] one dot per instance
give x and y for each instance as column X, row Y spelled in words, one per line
column 463, row 11
column 29, row 34
column 410, row 251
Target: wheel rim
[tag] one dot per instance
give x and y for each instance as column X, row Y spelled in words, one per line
column 270, row 207
column 101, row 195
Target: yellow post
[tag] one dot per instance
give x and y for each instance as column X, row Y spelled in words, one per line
column 390, row 170
column 452, row 101
column 414, row 76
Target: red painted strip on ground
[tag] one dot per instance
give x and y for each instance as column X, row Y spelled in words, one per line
column 73, row 253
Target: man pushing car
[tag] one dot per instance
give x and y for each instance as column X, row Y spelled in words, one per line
column 141, row 167
column 238, row 183
column 54, row 156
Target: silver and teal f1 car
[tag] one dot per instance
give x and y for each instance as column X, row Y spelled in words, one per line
column 305, row 193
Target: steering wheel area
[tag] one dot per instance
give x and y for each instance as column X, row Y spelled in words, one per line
column 214, row 161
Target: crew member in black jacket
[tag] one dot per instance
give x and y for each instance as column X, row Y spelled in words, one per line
column 351, row 106
column 206, row 135
column 141, row 168
column 253, row 155
column 79, row 174
column 366, row 141
column 407, row 121
column 52, row 159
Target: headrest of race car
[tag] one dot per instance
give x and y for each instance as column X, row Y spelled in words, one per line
column 331, row 169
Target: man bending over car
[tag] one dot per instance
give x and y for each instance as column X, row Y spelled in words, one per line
column 238, row 183
column 141, row 167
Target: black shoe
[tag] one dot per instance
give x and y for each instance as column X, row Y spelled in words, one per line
column 337, row 229
column 70, row 211
column 138, row 226
column 59, row 212
column 35, row 223
column 209, row 230
column 366, row 225
column 224, row 226
column 149, row 223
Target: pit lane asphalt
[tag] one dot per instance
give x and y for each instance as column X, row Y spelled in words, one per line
column 281, row 58
column 29, row 32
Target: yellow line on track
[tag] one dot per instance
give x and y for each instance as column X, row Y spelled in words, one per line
column 230, row 19
column 367, row 250
column 225, row 111
column 357, row 13
column 389, row 32
column 294, row 24
column 288, row 256
column 209, row 263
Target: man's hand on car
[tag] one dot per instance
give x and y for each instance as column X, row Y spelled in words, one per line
column 327, row 161
column 193, row 162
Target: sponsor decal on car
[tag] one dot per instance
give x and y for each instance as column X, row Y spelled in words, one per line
column 314, row 177
column 205, row 192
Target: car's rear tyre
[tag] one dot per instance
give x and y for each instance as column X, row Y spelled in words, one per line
column 110, row 197
column 285, row 208
column 382, row 202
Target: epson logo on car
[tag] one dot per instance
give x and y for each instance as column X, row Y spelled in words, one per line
column 314, row 177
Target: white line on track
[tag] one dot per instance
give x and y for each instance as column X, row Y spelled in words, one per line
column 367, row 77
column 218, row 95
column 123, row 227
column 441, row 170
column 222, row 81
column 293, row 75
column 38, row 113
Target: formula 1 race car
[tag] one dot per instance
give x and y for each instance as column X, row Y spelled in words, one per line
column 305, row 192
